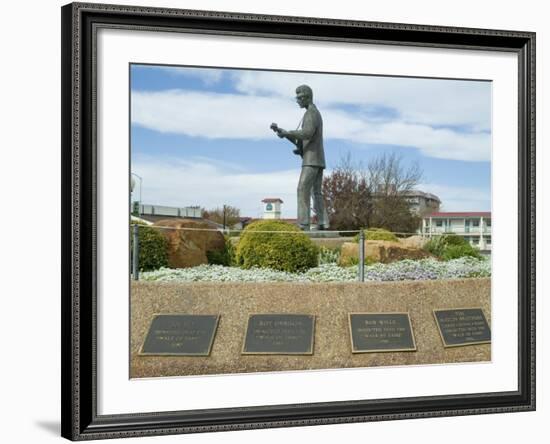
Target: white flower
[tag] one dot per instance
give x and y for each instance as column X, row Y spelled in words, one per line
column 425, row 269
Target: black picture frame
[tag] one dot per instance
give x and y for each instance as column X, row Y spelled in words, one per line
column 80, row 420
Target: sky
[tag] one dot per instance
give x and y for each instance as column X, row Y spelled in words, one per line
column 201, row 136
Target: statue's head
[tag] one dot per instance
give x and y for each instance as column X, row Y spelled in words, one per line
column 304, row 96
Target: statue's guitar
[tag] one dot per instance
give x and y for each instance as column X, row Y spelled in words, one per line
column 299, row 144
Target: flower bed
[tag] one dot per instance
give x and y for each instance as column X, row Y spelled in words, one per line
column 425, row 269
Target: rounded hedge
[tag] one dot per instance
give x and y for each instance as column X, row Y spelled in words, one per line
column 377, row 234
column 153, row 247
column 292, row 252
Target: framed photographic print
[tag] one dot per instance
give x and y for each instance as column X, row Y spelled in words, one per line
column 288, row 219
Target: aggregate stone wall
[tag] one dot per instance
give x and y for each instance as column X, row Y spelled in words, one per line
column 329, row 302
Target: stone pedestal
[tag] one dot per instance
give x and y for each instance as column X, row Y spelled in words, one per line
column 330, row 303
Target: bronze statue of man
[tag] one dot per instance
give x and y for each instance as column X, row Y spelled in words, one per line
column 308, row 139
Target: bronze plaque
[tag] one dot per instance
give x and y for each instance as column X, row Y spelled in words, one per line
column 279, row 334
column 381, row 332
column 180, row 335
column 464, row 326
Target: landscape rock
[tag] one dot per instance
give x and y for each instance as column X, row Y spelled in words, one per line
column 414, row 241
column 380, row 251
column 188, row 248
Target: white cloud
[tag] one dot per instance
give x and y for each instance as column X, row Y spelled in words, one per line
column 177, row 182
column 459, row 198
column 204, row 182
column 425, row 101
column 210, row 115
column 207, row 76
column 216, row 115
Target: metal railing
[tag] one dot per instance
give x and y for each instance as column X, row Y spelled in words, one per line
column 361, row 264
column 361, row 247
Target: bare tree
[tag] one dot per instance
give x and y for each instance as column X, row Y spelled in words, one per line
column 388, row 177
column 347, row 195
column 374, row 196
column 226, row 215
column 390, row 183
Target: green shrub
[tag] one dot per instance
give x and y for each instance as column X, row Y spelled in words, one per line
column 457, row 251
column 329, row 255
column 353, row 260
column 451, row 246
column 377, row 234
column 292, row 252
column 454, row 239
column 225, row 257
column 153, row 247
column 435, row 246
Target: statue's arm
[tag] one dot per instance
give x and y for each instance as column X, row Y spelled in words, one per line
column 308, row 128
column 284, row 134
column 296, row 142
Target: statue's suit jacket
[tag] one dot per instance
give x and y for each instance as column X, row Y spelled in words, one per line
column 311, row 134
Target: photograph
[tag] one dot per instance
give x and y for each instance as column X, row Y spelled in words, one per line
column 277, row 220
column 292, row 220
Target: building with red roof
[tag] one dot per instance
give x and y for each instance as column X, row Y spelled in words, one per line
column 474, row 226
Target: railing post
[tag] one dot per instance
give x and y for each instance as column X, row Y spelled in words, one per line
column 135, row 253
column 361, row 265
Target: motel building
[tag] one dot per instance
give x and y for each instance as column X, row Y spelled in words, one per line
column 475, row 227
